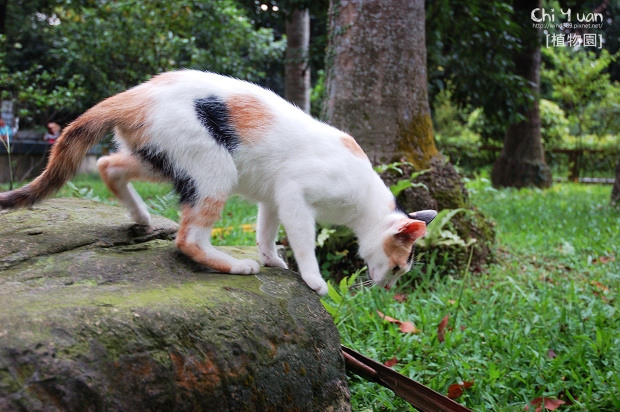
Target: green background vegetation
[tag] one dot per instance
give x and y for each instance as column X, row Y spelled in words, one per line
column 542, row 320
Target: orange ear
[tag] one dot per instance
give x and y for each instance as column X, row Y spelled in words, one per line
column 411, row 230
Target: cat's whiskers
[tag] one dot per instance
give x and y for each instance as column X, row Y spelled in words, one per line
column 368, row 283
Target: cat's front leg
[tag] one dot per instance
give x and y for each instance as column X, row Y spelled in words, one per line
column 298, row 220
column 266, row 233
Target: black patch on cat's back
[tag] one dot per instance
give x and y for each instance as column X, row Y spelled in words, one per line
column 183, row 184
column 214, row 115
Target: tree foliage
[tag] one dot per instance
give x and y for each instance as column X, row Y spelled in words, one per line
column 471, row 45
column 90, row 49
column 579, row 82
column 273, row 15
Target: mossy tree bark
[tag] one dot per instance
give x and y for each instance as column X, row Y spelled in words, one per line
column 297, row 68
column 376, row 78
column 522, row 161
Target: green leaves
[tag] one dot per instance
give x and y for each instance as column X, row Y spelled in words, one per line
column 336, row 296
column 84, row 192
column 436, row 235
column 470, row 46
column 119, row 44
column 580, row 84
column 404, row 183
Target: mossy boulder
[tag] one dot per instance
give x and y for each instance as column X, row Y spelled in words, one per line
column 100, row 314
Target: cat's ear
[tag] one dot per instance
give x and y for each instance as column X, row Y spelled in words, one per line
column 410, row 230
column 425, row 216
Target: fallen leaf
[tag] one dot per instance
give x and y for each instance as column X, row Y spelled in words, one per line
column 551, row 354
column 548, row 403
column 405, row 327
column 603, row 260
column 553, row 404
column 599, row 286
column 391, row 362
column 441, row 328
column 388, row 318
column 408, row 327
column 400, row 297
column 456, row 389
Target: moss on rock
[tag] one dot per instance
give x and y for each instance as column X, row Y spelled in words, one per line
column 100, row 314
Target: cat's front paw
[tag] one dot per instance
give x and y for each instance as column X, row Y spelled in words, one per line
column 318, row 285
column 245, row 267
column 273, row 261
column 321, row 289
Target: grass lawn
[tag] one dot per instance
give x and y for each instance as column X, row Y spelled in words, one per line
column 541, row 322
column 236, row 226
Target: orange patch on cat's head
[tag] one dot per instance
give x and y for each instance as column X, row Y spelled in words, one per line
column 353, row 147
column 250, row 117
column 398, row 246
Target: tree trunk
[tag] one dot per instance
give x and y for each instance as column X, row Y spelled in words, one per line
column 297, row 67
column 376, row 89
column 376, row 78
column 3, row 4
column 522, row 161
column 615, row 193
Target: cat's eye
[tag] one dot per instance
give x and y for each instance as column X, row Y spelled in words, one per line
column 395, row 269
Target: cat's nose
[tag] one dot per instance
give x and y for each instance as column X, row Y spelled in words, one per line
column 425, row 216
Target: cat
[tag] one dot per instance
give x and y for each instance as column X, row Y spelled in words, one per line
column 213, row 136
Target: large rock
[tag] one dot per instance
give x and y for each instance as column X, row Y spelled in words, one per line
column 100, row 314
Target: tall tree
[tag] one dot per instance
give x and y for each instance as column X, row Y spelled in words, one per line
column 297, row 66
column 376, row 78
column 522, row 160
column 376, row 89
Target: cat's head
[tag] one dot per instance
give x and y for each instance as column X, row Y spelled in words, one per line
column 392, row 255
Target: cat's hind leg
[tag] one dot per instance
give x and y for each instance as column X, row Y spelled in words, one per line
column 116, row 171
column 266, row 232
column 194, row 238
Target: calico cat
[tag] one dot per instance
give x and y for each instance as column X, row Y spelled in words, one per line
column 211, row 136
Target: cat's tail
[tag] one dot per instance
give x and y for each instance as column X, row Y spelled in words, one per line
column 69, row 150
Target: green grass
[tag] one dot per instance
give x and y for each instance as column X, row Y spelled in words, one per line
column 236, row 226
column 542, row 321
